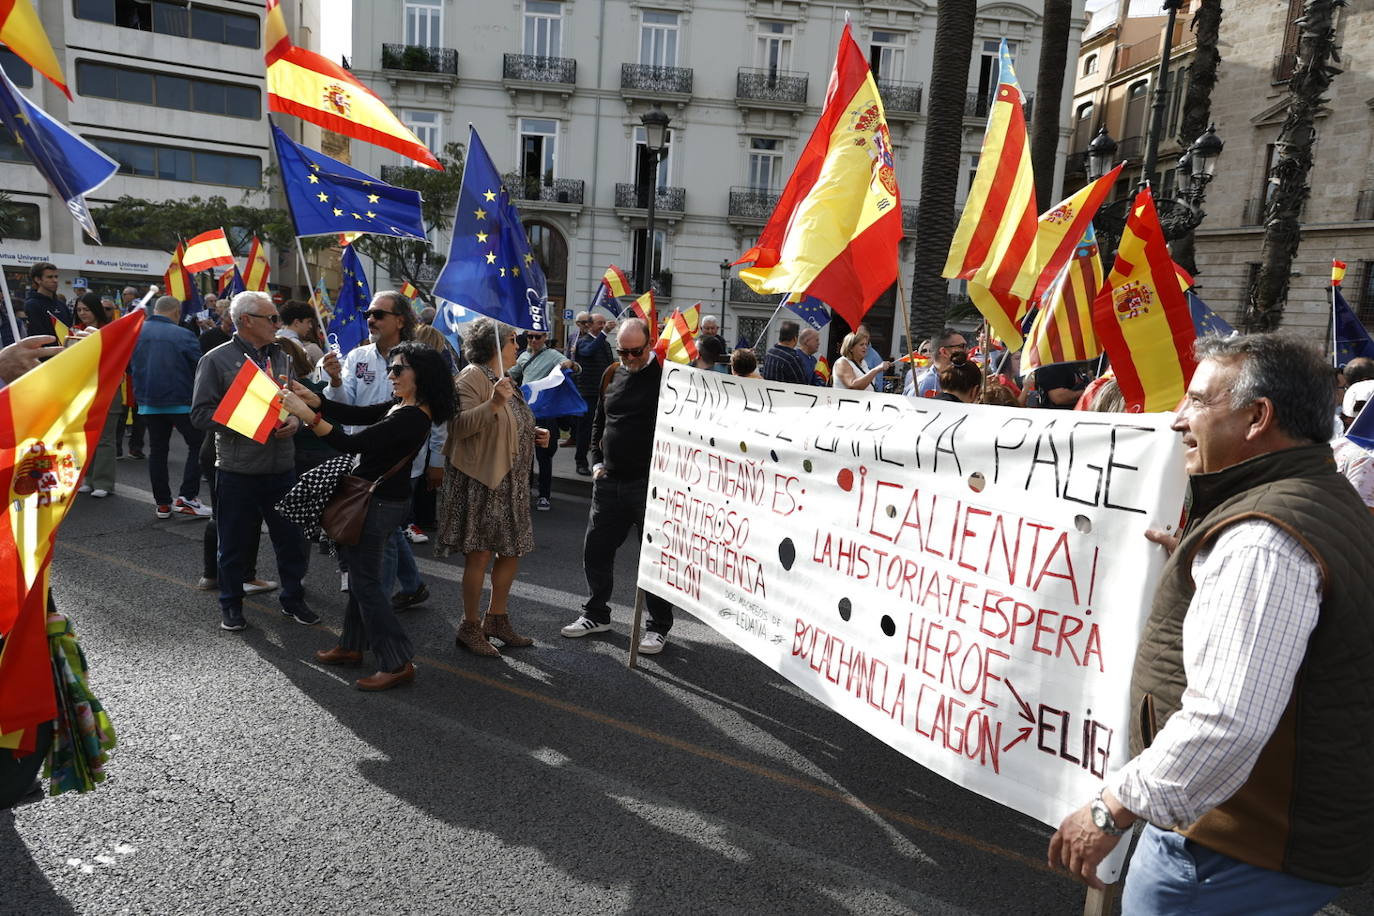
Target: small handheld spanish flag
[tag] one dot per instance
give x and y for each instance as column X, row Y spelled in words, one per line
column 616, row 282
column 409, row 290
column 1337, row 272
column 823, row 369
column 252, row 405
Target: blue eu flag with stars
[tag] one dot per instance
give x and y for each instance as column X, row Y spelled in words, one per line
column 490, row 268
column 325, row 196
column 1351, row 339
column 812, row 311
column 1206, row 321
column 348, row 326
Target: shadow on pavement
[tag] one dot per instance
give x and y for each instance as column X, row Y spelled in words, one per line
column 23, row 885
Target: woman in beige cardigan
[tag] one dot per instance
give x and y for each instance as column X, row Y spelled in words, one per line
column 485, row 508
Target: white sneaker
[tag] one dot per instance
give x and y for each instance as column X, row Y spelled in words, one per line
column 192, row 507
column 415, row 535
column 542, row 504
column 583, row 626
column 84, row 488
column 99, row 494
column 343, row 582
column 652, row 643
column 258, row 586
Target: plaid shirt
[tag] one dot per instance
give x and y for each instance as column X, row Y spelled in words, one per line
column 1244, row 637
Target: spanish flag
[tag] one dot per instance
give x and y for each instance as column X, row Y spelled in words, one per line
column 1337, row 272
column 823, row 369
column 314, row 88
column 177, row 281
column 22, row 32
column 257, row 270
column 644, row 308
column 50, row 421
column 409, row 290
column 835, row 230
column 252, row 405
column 616, row 282
column 1063, row 328
column 207, row 250
column 1142, row 318
column 678, row 341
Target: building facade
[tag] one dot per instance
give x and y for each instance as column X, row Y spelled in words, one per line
column 175, row 93
column 557, row 88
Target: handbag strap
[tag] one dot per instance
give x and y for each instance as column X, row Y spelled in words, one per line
column 394, row 468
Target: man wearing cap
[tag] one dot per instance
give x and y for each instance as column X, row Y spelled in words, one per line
column 1352, row 459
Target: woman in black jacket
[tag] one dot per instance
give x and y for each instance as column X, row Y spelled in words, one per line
column 395, row 432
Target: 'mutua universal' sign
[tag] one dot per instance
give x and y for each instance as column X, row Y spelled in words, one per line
column 967, row 583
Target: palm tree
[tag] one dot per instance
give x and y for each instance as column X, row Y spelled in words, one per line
column 1306, row 90
column 1049, row 92
column 954, row 27
column 1197, row 102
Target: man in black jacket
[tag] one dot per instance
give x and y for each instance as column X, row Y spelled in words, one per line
column 622, row 446
column 592, row 353
column 42, row 304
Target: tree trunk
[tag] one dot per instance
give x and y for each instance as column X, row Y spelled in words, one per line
column 940, row 166
column 1311, row 78
column 1049, row 95
column 1197, row 103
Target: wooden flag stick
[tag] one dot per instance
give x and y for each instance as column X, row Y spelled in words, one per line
column 635, row 629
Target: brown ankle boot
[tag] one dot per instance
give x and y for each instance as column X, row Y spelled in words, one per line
column 497, row 626
column 470, row 637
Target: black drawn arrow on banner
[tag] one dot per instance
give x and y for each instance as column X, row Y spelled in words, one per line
column 1023, row 733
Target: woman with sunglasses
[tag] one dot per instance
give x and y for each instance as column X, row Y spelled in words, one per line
column 395, row 431
column 485, row 505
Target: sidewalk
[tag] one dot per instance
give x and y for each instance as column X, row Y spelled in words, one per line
column 565, row 476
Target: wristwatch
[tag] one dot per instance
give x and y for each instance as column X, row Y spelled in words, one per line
column 1102, row 816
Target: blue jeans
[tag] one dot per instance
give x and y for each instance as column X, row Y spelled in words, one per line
column 240, row 501
column 398, row 561
column 370, row 622
column 1173, row 876
column 160, row 426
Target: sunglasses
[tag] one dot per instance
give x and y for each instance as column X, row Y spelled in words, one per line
column 396, row 369
column 635, row 351
column 378, row 314
column 534, row 336
column 275, row 319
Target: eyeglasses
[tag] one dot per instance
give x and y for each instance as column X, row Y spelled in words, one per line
column 631, row 351
column 534, row 336
column 584, row 321
column 378, row 314
column 396, row 368
column 274, row 318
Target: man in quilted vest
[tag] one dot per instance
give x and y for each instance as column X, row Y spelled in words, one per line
column 1253, row 728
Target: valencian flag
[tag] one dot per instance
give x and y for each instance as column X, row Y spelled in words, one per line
column 252, row 405
column 50, row 421
column 677, row 342
column 835, row 230
column 207, row 250
column 314, row 88
column 72, row 166
column 491, row 269
column 22, row 32
column 257, row 270
column 319, row 300
column 1063, row 328
column 348, row 323
column 326, row 196
column 644, row 309
column 1141, row 316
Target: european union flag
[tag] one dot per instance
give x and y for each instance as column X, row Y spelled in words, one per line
column 348, row 325
column 490, row 268
column 812, row 311
column 325, row 196
column 1350, row 337
column 1361, row 430
column 72, row 166
column 1206, row 321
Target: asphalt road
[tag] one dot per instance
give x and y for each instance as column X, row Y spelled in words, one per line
column 250, row 780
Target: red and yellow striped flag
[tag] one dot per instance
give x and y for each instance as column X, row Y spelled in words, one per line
column 616, row 282
column 644, row 308
column 1063, row 329
column 409, row 290
column 835, row 230
column 1142, row 318
column 314, row 88
column 176, row 281
column 50, row 421
column 678, row 341
column 207, row 250
column 252, row 405
column 823, row 369
column 257, row 271
column 22, row 32
column 1337, row 272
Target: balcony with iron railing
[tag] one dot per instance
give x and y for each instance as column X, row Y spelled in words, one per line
column 771, row 87
column 900, row 100
column 536, row 70
column 534, row 188
column 662, row 282
column 751, row 206
column 420, row 59
column 649, row 81
column 630, row 196
column 977, row 105
column 910, row 213
column 1131, row 149
column 1364, row 205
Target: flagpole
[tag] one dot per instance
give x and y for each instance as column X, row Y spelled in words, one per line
column 764, row 332
column 906, row 318
column 309, row 285
column 9, row 309
column 1331, row 325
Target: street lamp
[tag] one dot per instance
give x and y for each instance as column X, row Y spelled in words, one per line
column 1101, row 154
column 724, row 286
column 1205, row 152
column 655, row 139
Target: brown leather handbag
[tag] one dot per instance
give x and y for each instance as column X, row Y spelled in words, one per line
column 344, row 515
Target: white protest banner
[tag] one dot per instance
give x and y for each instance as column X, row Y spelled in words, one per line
column 967, row 583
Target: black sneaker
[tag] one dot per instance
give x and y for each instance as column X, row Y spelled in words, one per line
column 232, row 619
column 302, row 615
column 403, row 600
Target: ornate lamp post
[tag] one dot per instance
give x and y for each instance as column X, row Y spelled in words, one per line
column 655, row 139
column 724, row 288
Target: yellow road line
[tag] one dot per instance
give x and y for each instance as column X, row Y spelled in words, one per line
column 777, row 776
